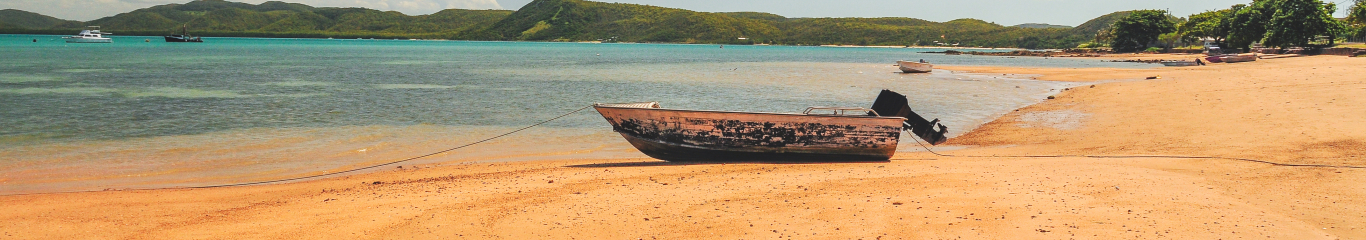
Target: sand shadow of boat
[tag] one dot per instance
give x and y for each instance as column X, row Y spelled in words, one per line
column 695, row 163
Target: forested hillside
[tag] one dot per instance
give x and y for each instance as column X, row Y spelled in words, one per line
column 560, row 20
column 280, row 19
column 1040, row 25
column 578, row 20
column 575, row 20
column 12, row 18
column 1103, row 22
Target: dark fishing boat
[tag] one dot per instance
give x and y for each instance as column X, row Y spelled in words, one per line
column 183, row 37
column 845, row 134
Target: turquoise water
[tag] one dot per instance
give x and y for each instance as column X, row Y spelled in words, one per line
column 293, row 106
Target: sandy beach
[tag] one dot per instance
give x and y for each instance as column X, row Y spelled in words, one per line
column 1305, row 110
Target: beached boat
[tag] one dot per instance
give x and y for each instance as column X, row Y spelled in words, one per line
column 1238, row 58
column 183, row 37
column 915, row 67
column 721, row 136
column 1180, row 63
column 91, row 34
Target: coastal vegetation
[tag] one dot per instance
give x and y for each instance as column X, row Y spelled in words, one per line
column 274, row 19
column 1271, row 23
column 1356, row 20
column 1136, row 31
column 1277, row 23
column 13, row 18
column 560, row 20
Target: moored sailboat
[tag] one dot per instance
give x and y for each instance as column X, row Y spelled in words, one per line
column 183, row 37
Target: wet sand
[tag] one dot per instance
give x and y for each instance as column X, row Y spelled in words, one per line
column 1305, row 110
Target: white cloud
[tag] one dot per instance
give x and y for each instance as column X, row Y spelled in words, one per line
column 86, row 10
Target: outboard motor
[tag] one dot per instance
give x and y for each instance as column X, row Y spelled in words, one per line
column 890, row 104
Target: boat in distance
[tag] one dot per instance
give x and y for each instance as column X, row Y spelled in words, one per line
column 914, row 67
column 183, row 37
column 91, row 34
column 1239, row 58
column 1180, row 63
column 844, row 134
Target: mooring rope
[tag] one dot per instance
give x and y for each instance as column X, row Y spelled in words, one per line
column 399, row 161
column 922, row 145
column 341, row 172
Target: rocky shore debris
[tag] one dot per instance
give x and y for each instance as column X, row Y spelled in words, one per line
column 1150, row 61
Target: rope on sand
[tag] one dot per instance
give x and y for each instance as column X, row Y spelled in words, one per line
column 399, row 161
column 1279, row 164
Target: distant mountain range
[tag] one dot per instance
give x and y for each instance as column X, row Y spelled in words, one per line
column 558, row 20
column 11, row 18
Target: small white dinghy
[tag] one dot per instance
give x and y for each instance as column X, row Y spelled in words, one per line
column 915, row 67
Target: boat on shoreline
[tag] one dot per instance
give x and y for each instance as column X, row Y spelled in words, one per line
column 914, row 67
column 1239, row 58
column 1180, row 63
column 91, row 34
column 843, row 135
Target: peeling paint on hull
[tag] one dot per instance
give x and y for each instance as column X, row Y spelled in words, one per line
column 714, row 136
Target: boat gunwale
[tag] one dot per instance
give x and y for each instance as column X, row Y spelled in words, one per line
column 759, row 113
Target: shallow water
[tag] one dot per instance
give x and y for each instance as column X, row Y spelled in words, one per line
column 155, row 114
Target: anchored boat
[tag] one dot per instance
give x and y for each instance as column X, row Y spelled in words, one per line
column 91, row 34
column 183, row 37
column 1239, row 58
column 818, row 134
column 915, row 67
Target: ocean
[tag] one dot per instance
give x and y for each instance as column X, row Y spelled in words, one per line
column 146, row 114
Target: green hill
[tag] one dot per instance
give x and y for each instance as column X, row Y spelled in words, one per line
column 1103, row 22
column 280, row 19
column 560, row 20
column 757, row 16
column 917, row 32
column 1040, row 25
column 576, row 20
column 13, row 18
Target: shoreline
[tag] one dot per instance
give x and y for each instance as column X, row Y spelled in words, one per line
column 1304, row 110
column 923, row 47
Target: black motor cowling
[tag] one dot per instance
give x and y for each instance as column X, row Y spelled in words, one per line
column 890, row 104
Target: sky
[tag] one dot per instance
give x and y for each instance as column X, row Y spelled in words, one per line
column 1004, row 12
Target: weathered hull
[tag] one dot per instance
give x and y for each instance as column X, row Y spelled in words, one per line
column 914, row 67
column 713, row 136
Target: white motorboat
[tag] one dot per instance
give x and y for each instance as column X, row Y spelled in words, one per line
column 915, row 67
column 91, row 34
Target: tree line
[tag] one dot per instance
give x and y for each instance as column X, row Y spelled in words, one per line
column 1271, row 23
